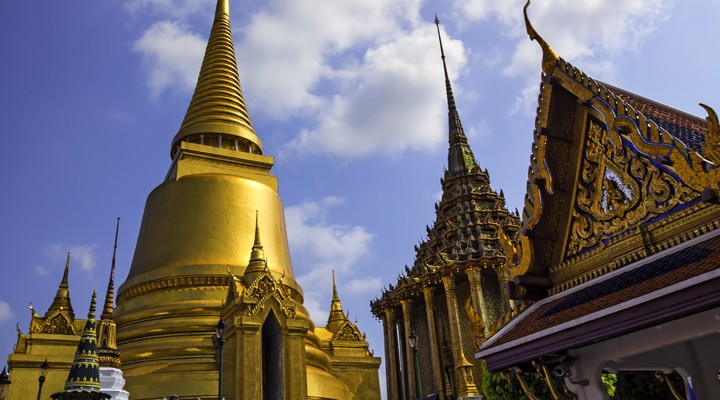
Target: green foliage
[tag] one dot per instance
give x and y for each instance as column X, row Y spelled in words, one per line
column 494, row 387
column 609, row 380
column 636, row 385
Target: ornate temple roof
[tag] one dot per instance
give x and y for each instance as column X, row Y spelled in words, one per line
column 612, row 172
column 621, row 218
column 654, row 290
column 472, row 224
column 689, row 129
column 339, row 325
column 59, row 318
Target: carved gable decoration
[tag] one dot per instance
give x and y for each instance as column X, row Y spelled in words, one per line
column 349, row 332
column 262, row 289
column 58, row 323
column 617, row 190
column 605, row 165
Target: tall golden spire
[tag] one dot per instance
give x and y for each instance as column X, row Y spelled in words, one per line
column 196, row 226
column 217, row 114
column 62, row 297
column 336, row 317
column 108, row 353
column 460, row 157
column 108, row 308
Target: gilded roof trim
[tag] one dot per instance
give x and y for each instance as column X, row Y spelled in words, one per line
column 624, row 122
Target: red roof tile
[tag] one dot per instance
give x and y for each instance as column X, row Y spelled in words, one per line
column 633, row 283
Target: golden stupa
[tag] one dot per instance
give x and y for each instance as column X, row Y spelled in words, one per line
column 213, row 244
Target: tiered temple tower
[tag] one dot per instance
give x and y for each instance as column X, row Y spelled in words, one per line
column 213, row 243
column 111, row 377
column 451, row 297
column 83, row 380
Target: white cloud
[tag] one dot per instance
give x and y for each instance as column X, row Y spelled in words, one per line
column 5, row 312
column 589, row 34
column 172, row 54
column 526, row 102
column 364, row 77
column 393, row 101
column 82, row 255
column 321, row 247
column 480, row 10
column 323, row 243
column 317, row 306
column 364, row 285
column 291, row 46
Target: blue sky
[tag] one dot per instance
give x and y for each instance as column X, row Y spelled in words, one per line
column 347, row 95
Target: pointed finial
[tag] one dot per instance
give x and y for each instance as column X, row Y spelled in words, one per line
column 448, row 87
column 460, row 156
column 64, row 281
column 109, row 295
column 93, row 302
column 62, row 296
column 257, row 256
column 217, row 107
column 257, row 263
column 335, row 295
column 257, row 229
column 108, row 353
column 336, row 316
column 550, row 59
column 711, row 145
column 222, row 7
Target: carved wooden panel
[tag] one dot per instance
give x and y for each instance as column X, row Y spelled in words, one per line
column 618, row 189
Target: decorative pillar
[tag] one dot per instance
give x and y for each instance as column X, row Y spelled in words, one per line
column 478, row 298
column 390, row 353
column 248, row 359
column 465, row 383
column 400, row 360
column 296, row 368
column 432, row 346
column 409, row 364
column 503, row 279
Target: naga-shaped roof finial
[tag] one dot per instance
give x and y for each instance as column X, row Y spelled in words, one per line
column 550, row 59
column 711, row 147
